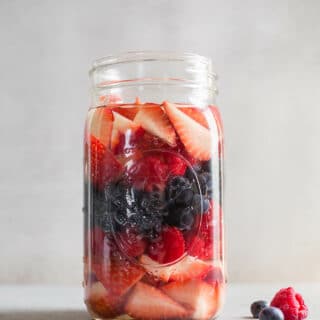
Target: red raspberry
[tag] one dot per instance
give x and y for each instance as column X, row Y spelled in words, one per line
column 291, row 304
column 177, row 166
column 153, row 171
column 148, row 173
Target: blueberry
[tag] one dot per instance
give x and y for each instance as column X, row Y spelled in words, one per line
column 106, row 223
column 203, row 179
column 205, row 205
column 120, row 218
column 180, row 217
column 176, row 185
column 271, row 313
column 186, row 219
column 184, row 197
column 196, row 203
column 179, row 182
column 206, row 166
column 200, row 204
column 257, row 306
column 131, row 208
column 189, row 174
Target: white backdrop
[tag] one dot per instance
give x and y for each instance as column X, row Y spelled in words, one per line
column 267, row 54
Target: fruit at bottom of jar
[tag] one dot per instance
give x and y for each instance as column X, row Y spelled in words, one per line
column 203, row 299
column 147, row 302
column 195, row 138
column 117, row 274
column 185, row 269
column 99, row 303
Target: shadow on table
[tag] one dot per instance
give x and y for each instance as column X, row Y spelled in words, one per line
column 44, row 315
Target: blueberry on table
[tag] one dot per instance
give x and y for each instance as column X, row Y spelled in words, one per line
column 271, row 313
column 257, row 307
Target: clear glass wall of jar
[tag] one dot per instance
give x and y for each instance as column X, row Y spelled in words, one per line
column 153, row 218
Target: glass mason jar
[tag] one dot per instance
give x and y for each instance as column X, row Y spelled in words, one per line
column 153, row 151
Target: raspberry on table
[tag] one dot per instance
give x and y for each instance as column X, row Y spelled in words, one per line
column 291, row 304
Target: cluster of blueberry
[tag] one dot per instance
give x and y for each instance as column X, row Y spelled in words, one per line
column 121, row 206
column 187, row 196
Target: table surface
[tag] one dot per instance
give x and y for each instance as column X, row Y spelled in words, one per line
column 65, row 303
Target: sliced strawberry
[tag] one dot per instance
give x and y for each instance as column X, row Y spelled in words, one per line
column 169, row 248
column 151, row 142
column 127, row 144
column 147, row 302
column 196, row 114
column 157, row 270
column 176, row 165
column 190, row 268
column 128, row 111
column 155, row 121
column 100, row 125
column 104, row 167
column 117, row 273
column 121, row 125
column 99, row 303
column 185, row 269
column 195, row 137
column 202, row 298
column 215, row 275
column 148, row 278
column 131, row 243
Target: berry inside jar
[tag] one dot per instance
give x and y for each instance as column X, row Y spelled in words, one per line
column 153, row 217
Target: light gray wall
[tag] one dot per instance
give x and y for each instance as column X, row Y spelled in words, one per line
column 268, row 56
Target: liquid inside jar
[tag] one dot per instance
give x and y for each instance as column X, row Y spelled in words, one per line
column 153, row 213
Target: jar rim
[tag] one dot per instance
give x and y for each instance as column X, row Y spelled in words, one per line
column 152, row 55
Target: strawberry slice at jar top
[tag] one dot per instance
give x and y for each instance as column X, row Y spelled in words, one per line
column 196, row 139
column 155, row 121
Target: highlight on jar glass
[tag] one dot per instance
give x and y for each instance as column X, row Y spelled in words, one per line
column 153, row 175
